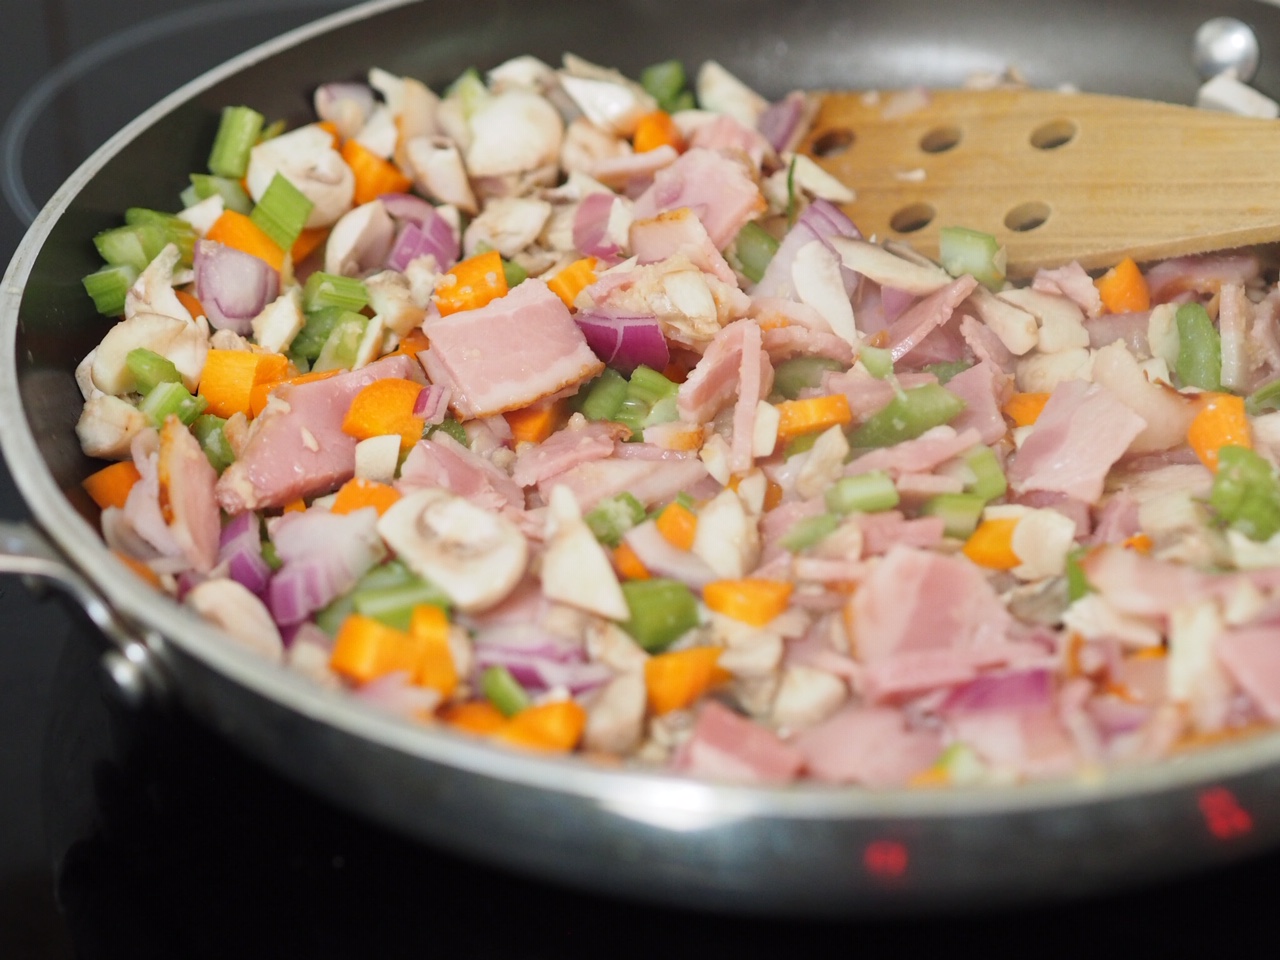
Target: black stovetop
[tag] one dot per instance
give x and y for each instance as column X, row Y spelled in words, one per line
column 136, row 834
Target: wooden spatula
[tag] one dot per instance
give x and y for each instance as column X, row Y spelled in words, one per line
column 1054, row 176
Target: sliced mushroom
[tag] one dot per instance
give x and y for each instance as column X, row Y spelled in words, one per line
column 575, row 568
column 107, row 426
column 727, row 537
column 816, row 275
column 280, row 321
column 439, row 172
column 307, row 159
column 360, row 240
column 474, row 556
column 512, row 132
column 720, row 91
column 806, row 696
column 615, row 719
column 507, row 225
column 346, row 105
column 186, row 497
column 153, row 292
column 391, row 298
column 183, row 342
column 238, row 612
column 823, row 464
column 379, row 134
column 612, row 106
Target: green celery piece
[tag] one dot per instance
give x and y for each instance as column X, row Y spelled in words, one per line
column 809, row 531
column 800, row 444
column 666, row 82
column 1199, row 348
column 1246, row 493
column 272, row 558
column 604, row 396
column 961, row 251
column 339, row 350
column 751, row 250
column 233, row 194
column 1077, row 583
column 388, row 575
column 989, row 481
column 801, row 373
column 503, row 690
column 649, row 385
column 664, row 411
column 108, row 287
column 514, row 273
column 176, row 230
column 282, row 211
column 908, row 415
column 470, row 89
column 393, row 605
column 614, row 516
column 960, row 512
column 133, row 245
column 1265, row 399
column 149, row 369
column 945, row 371
column 319, row 325
column 172, row 399
column 238, row 131
column 189, row 197
column 961, row 764
column 451, row 427
column 208, row 431
column 273, row 130
column 863, row 492
column 662, row 611
column 877, row 360
column 333, row 290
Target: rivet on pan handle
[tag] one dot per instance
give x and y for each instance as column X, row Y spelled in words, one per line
column 132, row 664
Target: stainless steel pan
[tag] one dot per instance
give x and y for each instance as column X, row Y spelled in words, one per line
column 801, row 850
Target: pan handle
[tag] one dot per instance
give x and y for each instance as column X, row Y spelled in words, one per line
column 132, row 663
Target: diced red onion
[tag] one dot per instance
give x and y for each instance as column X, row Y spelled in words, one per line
column 663, row 559
column 395, row 692
column 625, row 343
column 894, row 302
column 1021, row 690
column 591, row 226
column 432, row 404
column 348, row 105
column 240, row 547
column 781, row 120
column 538, row 660
column 528, row 639
column 407, row 207
column 232, row 286
column 324, row 555
column 821, row 220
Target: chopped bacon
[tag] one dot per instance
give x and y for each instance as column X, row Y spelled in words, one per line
column 734, row 358
column 678, row 232
column 442, row 462
column 719, row 190
column 562, row 450
column 867, row 745
column 728, row 746
column 1072, row 282
column 649, row 481
column 888, row 528
column 983, row 388
column 1203, row 274
column 928, row 451
column 916, row 323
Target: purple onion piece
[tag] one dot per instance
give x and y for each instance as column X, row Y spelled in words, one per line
column 1020, row 690
column 408, row 207
column 232, row 286
column 433, row 235
column 625, row 343
column 348, row 105
column 591, row 226
column 240, row 547
column 432, row 404
column 782, row 119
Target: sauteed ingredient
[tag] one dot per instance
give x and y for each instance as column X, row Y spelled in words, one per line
column 571, row 412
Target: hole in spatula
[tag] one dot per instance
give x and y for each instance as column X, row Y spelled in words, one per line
column 1054, row 134
column 1027, row 216
column 941, row 139
column 912, row 218
column 832, row 143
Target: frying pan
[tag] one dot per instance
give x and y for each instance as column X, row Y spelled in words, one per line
column 808, row 849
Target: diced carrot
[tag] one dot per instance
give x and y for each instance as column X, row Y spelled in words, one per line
column 138, row 567
column 261, row 392
column 436, row 669
column 628, row 564
column 991, row 545
column 307, row 242
column 229, row 376
column 1220, row 422
column 812, row 414
column 295, row 506
column 471, row 283
column 1139, row 542
column 930, row 778
column 237, row 231
column 192, row 305
column 1024, row 409
column 655, row 130
column 678, row 524
column 385, row 406
column 753, row 601
column 413, row 342
column 374, row 175
column 366, row 649
column 479, row 717
column 356, row 494
column 573, row 279
column 676, row 679
column 1124, row 289
column 554, row 727
column 110, row 486
column 534, row 424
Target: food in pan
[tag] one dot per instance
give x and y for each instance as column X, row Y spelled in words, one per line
column 570, row 411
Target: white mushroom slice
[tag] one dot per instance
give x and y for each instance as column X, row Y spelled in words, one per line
column 1094, row 618
column 379, row 134
column 720, row 91
column 615, row 718
column 231, row 606
column 390, row 86
column 416, row 117
column 204, row 214
column 1229, row 94
column 727, row 538
column 307, row 159
column 507, row 225
column 752, row 655
column 391, row 298
column 280, row 321
column 1015, row 327
column 1041, row 372
column 346, row 105
column 451, row 122
column 474, row 556
column 107, row 426
column 609, row 644
column 823, row 464
column 887, row 269
column 1167, row 412
column 1042, row 538
column 228, row 340
column 370, row 346
column 1061, row 321
column 84, row 377
column 422, row 273
column 1162, row 333
column 513, row 132
column 615, row 107
column 807, row 696
column 585, row 145
column 524, row 71
column 360, row 240
column 153, row 292
column 181, row 341
column 439, row 172
column 815, row 274
column 378, row 457
column 575, row 568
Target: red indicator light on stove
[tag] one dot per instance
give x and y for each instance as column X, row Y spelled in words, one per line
column 886, row 859
column 1223, row 815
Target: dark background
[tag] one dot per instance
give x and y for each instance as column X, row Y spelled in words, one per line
column 137, row 835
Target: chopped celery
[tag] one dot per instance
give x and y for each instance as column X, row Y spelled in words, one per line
column 273, row 130
column 393, row 604
column 664, row 411
column 233, row 194
column 149, row 369
column 989, row 481
column 614, row 516
column 661, row 611
column 333, row 290
column 604, row 396
column 172, row 399
column 133, row 245
column 1265, row 399
column 960, row 512
column 282, row 212
column 1246, row 493
column 877, row 360
column 649, row 385
column 809, row 531
column 208, row 430
column 514, row 273
column 864, row 493
column 189, row 197
column 650, row 399
column 503, row 690
column 801, row 373
column 801, row 444
column 945, row 371
column 752, row 249
column 237, row 133
column 272, row 558
column 908, row 415
column 1077, row 583
column 469, row 88
column 311, row 338
column 176, row 230
column 1199, row 348
column 108, row 287
column 961, row 251
column 451, row 427
column 665, row 82
column 339, row 350
column 961, row 764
